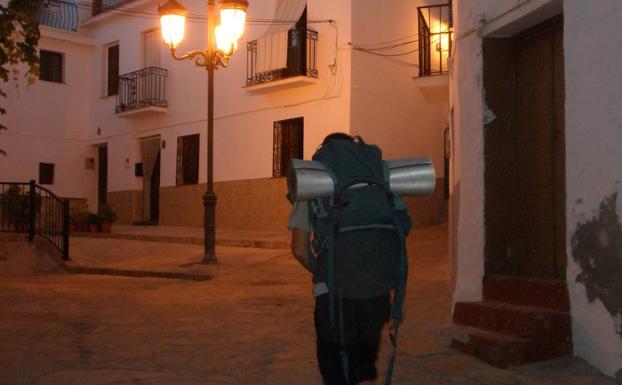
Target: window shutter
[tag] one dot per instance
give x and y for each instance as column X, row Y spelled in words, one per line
column 113, row 70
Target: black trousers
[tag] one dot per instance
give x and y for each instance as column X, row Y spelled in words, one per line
column 363, row 320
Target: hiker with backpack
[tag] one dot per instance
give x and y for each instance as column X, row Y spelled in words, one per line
column 353, row 244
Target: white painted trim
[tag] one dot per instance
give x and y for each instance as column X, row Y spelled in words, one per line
column 140, row 111
column 296, row 81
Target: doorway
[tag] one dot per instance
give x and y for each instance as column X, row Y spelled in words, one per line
column 150, row 155
column 102, row 176
column 524, row 153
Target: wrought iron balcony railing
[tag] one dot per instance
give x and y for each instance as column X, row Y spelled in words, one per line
column 100, row 6
column 435, row 39
column 58, row 14
column 301, row 58
column 142, row 88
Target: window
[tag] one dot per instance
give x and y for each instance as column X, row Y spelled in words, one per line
column 435, row 39
column 46, row 173
column 288, row 135
column 113, row 70
column 188, row 159
column 51, row 66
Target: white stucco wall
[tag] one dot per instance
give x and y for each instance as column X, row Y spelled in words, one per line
column 47, row 121
column 389, row 107
column 243, row 121
column 593, row 157
column 593, row 129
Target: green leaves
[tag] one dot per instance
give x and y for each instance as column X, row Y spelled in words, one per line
column 19, row 37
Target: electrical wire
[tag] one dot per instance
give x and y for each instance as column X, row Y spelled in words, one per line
column 200, row 18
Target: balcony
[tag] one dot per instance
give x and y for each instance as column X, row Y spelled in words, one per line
column 301, row 63
column 100, row 6
column 58, row 14
column 142, row 91
column 435, row 39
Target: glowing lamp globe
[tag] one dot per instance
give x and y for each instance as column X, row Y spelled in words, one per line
column 172, row 22
column 233, row 17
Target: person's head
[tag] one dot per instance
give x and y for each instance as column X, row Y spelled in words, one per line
column 340, row 136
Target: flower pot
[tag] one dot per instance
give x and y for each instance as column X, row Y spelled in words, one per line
column 104, row 227
column 92, row 228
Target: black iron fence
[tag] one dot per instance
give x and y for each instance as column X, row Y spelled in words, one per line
column 142, row 88
column 36, row 211
column 435, row 39
column 301, row 58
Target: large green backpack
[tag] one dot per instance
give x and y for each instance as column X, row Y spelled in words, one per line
column 359, row 231
column 363, row 223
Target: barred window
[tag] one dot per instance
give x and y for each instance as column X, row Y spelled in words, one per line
column 187, row 159
column 51, row 66
column 287, row 144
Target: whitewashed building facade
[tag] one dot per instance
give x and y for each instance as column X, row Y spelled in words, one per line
column 102, row 135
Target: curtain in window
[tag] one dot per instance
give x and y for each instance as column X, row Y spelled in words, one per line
column 272, row 46
column 149, row 149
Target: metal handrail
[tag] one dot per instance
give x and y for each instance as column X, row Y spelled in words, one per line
column 37, row 211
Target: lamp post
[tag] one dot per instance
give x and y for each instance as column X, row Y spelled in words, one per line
column 224, row 29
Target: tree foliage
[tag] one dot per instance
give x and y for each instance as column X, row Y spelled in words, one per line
column 19, row 37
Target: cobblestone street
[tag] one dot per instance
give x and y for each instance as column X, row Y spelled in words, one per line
column 250, row 324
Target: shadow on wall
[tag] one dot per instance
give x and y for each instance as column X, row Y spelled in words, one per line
column 597, row 248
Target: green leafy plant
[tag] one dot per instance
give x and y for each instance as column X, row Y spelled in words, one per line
column 107, row 214
column 19, row 37
column 78, row 213
column 15, row 207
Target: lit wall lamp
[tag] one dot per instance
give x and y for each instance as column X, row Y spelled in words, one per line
column 224, row 29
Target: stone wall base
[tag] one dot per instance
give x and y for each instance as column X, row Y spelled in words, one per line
column 247, row 205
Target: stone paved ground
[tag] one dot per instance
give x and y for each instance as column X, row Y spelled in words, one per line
column 251, row 324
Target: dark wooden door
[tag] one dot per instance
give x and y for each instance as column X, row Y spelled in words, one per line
column 102, row 176
column 541, row 158
column 155, row 191
column 524, row 153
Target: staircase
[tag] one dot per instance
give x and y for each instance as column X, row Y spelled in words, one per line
column 520, row 320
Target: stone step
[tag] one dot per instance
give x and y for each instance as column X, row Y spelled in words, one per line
column 545, row 325
column 539, row 292
column 497, row 349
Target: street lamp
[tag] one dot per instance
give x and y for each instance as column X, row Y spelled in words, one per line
column 223, row 32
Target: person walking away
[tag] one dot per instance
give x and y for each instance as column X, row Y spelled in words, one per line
column 353, row 244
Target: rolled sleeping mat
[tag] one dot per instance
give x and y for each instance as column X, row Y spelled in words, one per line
column 309, row 179
column 411, row 176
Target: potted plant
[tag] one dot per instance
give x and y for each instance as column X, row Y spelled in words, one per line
column 106, row 217
column 92, row 221
column 78, row 213
column 15, row 208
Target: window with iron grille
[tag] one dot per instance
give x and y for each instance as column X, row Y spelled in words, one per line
column 288, row 144
column 187, row 159
column 435, row 39
column 113, row 70
column 51, row 66
column 46, row 173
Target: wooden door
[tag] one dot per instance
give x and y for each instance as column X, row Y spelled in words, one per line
column 524, row 153
column 541, row 160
